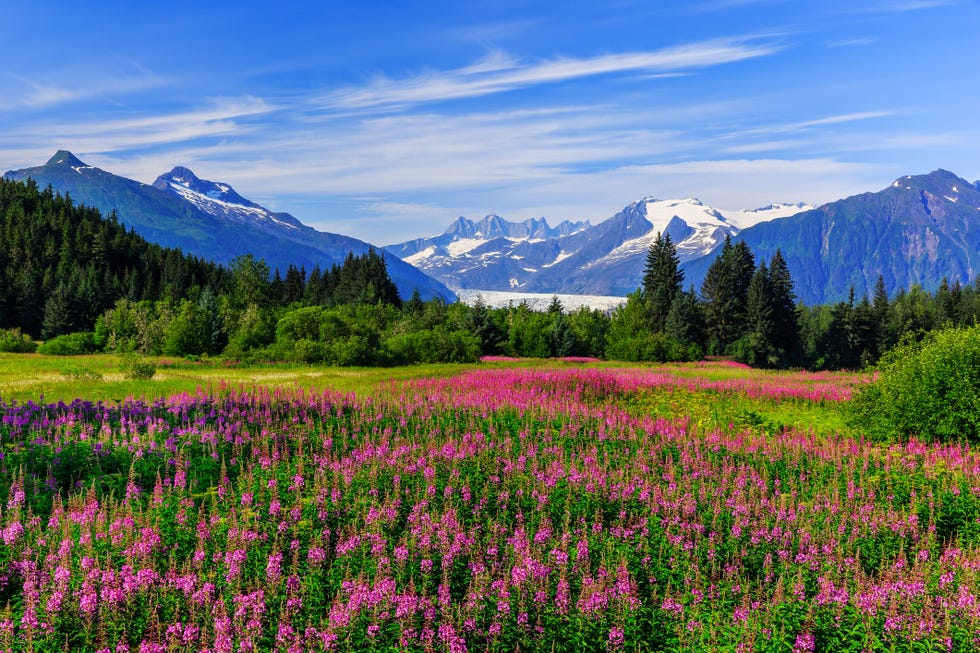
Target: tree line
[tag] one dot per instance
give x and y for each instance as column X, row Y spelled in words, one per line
column 747, row 310
column 82, row 283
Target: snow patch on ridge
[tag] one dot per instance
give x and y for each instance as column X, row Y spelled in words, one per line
column 562, row 255
column 463, row 245
column 421, row 256
column 218, row 207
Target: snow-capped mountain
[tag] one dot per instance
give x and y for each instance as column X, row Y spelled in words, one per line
column 605, row 259
column 210, row 220
column 221, row 200
column 464, row 235
column 695, row 229
column 919, row 230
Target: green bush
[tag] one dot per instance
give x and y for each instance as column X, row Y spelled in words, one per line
column 70, row 344
column 928, row 389
column 651, row 347
column 434, row 346
column 137, row 368
column 81, row 374
column 14, row 342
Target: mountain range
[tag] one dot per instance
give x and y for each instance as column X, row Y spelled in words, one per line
column 576, row 257
column 919, row 230
column 209, row 219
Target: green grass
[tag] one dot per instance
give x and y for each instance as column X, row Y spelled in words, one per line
column 717, row 410
column 99, row 377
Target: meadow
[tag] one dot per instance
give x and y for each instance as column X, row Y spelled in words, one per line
column 551, row 506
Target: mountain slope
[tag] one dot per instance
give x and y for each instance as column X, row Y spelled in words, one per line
column 210, row 220
column 576, row 258
column 918, row 230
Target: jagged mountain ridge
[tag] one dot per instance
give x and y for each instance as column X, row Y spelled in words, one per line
column 221, row 201
column 211, row 220
column 602, row 259
column 918, row 230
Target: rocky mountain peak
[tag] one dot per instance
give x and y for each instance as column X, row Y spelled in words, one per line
column 65, row 158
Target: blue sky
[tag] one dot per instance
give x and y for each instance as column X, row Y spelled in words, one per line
column 385, row 121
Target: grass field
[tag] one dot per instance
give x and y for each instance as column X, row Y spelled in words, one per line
column 100, row 377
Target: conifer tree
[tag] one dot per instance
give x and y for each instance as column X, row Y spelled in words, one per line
column 758, row 348
column 293, row 285
column 414, row 306
column 662, row 280
column 786, row 324
column 58, row 318
column 480, row 322
column 880, row 309
column 685, row 320
column 725, row 293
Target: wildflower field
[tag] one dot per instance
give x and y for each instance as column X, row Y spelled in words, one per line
column 571, row 507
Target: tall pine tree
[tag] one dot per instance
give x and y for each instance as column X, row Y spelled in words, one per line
column 786, row 323
column 725, row 294
column 662, row 279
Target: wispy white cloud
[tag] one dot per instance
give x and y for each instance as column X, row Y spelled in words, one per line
column 792, row 144
column 851, row 43
column 410, row 153
column 499, row 73
column 808, row 125
column 29, row 93
column 841, row 118
column 219, row 118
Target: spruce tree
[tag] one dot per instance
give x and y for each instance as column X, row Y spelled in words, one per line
column 662, row 279
column 880, row 309
column 414, row 306
column 58, row 318
column 212, row 326
column 560, row 336
column 685, row 320
column 786, row 324
column 480, row 322
column 294, row 285
column 758, row 348
column 725, row 293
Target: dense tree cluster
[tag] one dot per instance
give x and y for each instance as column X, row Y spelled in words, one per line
column 84, row 283
column 748, row 311
column 62, row 265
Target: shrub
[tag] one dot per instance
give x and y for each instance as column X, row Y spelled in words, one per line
column 14, row 342
column 435, row 346
column 70, row 344
column 137, row 368
column 81, row 374
column 651, row 347
column 928, row 389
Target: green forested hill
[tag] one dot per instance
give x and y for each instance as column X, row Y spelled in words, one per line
column 62, row 265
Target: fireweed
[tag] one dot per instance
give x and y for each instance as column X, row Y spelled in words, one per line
column 496, row 510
